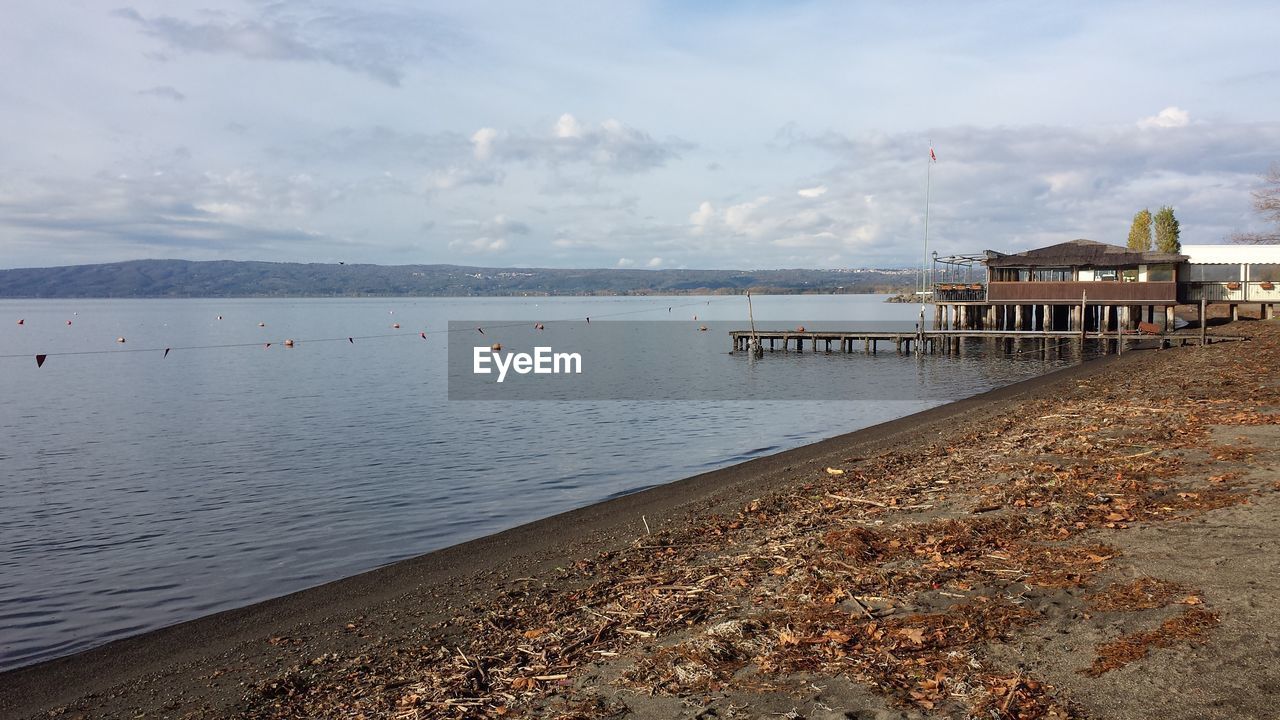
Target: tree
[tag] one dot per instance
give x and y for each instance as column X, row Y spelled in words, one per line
column 1167, row 231
column 1140, row 231
column 1266, row 201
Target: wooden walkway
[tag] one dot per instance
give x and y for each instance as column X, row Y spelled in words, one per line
column 950, row 341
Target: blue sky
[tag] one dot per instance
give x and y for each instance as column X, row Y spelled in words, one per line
column 630, row 134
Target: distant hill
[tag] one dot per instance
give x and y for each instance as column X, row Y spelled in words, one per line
column 225, row 278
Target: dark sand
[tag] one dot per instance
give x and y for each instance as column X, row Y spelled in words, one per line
column 225, row 665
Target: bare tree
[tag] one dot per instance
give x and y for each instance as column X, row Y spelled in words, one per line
column 1266, row 201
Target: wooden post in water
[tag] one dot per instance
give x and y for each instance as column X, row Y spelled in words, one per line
column 757, row 350
column 1204, row 319
column 1084, row 301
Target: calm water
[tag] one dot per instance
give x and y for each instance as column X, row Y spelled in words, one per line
column 137, row 491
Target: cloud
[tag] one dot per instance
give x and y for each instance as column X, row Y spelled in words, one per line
column 372, row 43
column 702, row 218
column 150, row 214
column 568, row 127
column 459, row 176
column 655, row 262
column 482, row 143
column 612, row 146
column 1170, row 117
column 165, row 92
column 812, row 192
column 488, row 236
column 480, row 245
column 1001, row 188
column 626, row 262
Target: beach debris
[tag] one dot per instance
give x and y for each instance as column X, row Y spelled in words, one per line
column 1189, row 627
column 120, row 339
column 847, row 574
column 288, row 343
column 702, row 328
column 395, row 325
column 21, row 321
column 68, row 322
column 1144, row 593
column 262, row 324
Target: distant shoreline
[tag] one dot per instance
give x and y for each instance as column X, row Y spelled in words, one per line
column 262, row 280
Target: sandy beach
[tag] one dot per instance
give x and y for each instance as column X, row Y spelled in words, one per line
column 1099, row 542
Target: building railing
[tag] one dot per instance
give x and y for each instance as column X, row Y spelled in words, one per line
column 1231, row 291
column 959, row 292
column 1100, row 291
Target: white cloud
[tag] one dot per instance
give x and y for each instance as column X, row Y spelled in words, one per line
column 626, row 262
column 480, row 245
column 655, row 262
column 812, row 192
column 568, row 127
column 1170, row 117
column 702, row 218
column 491, row 236
column 482, row 143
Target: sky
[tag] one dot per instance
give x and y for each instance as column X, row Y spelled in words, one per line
column 713, row 134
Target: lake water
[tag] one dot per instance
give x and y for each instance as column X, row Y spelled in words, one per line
column 138, row 490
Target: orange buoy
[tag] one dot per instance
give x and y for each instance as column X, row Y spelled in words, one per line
column 496, row 347
column 288, row 343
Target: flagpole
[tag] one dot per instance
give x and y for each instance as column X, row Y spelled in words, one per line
column 924, row 265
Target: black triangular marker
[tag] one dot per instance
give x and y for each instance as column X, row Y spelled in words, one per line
column 166, row 352
column 40, row 360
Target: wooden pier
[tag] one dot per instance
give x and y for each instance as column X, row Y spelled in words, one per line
column 949, row 342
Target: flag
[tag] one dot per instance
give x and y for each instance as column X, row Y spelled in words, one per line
column 40, row 360
column 932, row 157
column 166, row 352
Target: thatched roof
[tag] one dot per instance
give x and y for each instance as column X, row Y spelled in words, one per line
column 1080, row 253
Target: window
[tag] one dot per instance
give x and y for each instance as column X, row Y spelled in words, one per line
column 1051, row 274
column 1160, row 273
column 1129, row 275
column 1264, row 272
column 1215, row 273
column 1105, row 274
